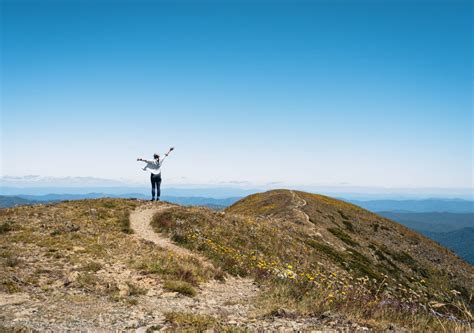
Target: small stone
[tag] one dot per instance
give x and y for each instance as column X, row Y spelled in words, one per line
column 124, row 289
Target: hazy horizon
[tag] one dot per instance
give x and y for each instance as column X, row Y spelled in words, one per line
column 37, row 185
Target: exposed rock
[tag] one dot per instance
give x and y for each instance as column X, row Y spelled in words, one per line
column 124, row 289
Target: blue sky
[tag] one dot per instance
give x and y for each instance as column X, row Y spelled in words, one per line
column 315, row 92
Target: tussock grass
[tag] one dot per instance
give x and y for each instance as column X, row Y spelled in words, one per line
column 181, row 287
column 135, row 290
column 189, row 322
column 348, row 226
column 172, row 267
column 5, row 227
column 124, row 222
column 9, row 259
column 9, row 285
column 92, row 266
column 87, row 281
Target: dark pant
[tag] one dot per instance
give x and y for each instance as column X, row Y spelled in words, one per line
column 155, row 182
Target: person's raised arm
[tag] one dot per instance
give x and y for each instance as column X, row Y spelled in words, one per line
column 166, row 155
column 163, row 159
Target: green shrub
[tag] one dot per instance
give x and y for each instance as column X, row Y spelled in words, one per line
column 343, row 236
column 9, row 286
column 124, row 222
column 109, row 204
column 404, row 257
column 92, row 267
column 86, row 280
column 135, row 289
column 343, row 215
column 327, row 250
column 190, row 322
column 181, row 287
column 361, row 264
column 348, row 225
column 5, row 227
column 12, row 261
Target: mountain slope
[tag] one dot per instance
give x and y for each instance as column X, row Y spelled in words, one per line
column 317, row 263
column 315, row 253
column 95, row 265
column 385, row 246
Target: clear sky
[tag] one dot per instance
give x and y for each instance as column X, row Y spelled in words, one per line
column 315, row 92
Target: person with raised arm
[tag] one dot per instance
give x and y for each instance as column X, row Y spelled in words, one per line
column 154, row 166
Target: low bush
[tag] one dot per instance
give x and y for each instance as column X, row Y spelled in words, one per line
column 181, row 287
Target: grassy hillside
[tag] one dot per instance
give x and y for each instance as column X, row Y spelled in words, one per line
column 74, row 236
column 314, row 254
column 79, row 259
column 312, row 257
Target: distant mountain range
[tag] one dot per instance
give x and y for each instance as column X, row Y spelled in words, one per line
column 433, row 221
column 11, row 201
column 452, row 230
column 126, row 191
column 40, row 185
column 426, row 205
column 213, row 196
column 460, row 241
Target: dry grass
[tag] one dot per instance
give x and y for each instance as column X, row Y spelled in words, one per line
column 92, row 266
column 174, row 267
column 81, row 238
column 188, row 322
column 261, row 237
column 384, row 276
column 124, row 221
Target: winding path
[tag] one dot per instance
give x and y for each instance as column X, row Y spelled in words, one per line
column 232, row 298
column 140, row 223
column 300, row 203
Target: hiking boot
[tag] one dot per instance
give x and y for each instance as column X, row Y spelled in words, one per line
column 152, row 199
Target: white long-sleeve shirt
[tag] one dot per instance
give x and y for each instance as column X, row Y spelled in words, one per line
column 154, row 166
